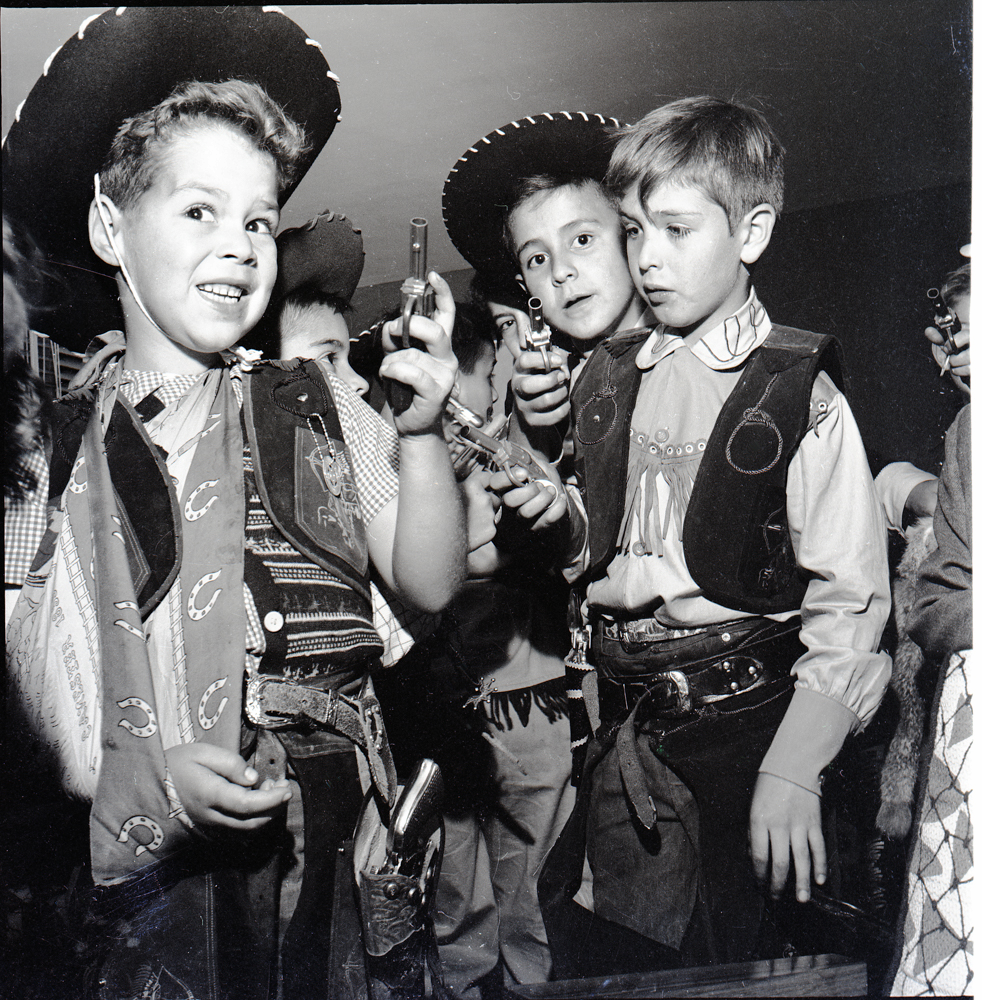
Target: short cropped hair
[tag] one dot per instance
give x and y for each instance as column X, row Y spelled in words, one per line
column 727, row 151
column 267, row 334
column 128, row 170
column 486, row 289
column 958, row 284
column 529, row 187
column 474, row 331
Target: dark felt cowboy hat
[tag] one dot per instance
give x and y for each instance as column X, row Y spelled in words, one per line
column 481, row 183
column 326, row 253
column 119, row 64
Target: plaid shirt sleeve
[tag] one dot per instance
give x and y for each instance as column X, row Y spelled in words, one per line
column 24, row 524
column 373, row 446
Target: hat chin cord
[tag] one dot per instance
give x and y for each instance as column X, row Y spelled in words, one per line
column 107, row 226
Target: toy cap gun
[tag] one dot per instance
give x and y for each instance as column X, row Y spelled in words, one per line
column 502, row 454
column 947, row 322
column 539, row 338
column 416, row 296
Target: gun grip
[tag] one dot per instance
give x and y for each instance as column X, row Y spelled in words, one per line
column 400, row 395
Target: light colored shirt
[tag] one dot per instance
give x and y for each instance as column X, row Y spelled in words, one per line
column 893, row 486
column 834, row 516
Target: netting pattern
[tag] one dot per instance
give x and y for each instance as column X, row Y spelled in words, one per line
column 937, row 955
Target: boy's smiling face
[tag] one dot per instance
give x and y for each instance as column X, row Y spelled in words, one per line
column 199, row 246
column 686, row 263
column 570, row 250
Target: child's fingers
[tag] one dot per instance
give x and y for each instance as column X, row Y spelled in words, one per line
column 425, row 375
column 531, row 361
column 802, row 863
column 780, row 859
column 446, row 308
column 246, row 808
column 819, row 861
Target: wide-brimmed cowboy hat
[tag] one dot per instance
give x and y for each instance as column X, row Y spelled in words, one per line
column 327, row 254
column 481, row 183
column 124, row 62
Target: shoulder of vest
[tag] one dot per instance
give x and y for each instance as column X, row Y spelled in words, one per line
column 804, row 342
column 620, row 343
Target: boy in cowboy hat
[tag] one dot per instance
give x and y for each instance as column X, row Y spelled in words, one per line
column 487, row 910
column 538, row 181
column 210, row 549
column 734, row 615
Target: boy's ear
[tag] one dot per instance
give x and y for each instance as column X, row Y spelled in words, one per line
column 521, row 281
column 758, row 225
column 98, row 238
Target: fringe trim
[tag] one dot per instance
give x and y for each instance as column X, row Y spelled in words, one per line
column 548, row 697
column 680, row 476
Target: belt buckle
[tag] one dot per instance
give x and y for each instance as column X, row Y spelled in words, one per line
column 254, row 703
column 681, row 683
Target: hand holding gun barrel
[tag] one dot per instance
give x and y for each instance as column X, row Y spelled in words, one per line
column 946, row 322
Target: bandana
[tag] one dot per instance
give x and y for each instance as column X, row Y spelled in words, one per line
column 112, row 691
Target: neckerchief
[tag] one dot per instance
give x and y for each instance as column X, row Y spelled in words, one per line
column 726, row 345
column 128, row 689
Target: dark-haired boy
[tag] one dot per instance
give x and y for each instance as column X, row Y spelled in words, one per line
column 727, row 492
column 529, row 198
column 215, row 524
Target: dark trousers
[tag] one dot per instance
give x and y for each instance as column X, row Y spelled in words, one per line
column 687, row 883
column 206, row 923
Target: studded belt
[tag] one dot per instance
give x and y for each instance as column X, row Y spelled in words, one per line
column 275, row 703
column 703, row 668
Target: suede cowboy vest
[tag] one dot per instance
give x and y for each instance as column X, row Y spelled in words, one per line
column 735, row 535
column 295, row 437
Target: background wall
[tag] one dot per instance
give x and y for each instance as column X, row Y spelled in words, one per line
column 872, row 99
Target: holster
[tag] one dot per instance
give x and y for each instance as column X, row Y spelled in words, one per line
column 397, row 929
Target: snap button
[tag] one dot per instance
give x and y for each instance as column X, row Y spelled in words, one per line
column 638, row 549
column 273, row 621
column 725, row 637
column 391, row 890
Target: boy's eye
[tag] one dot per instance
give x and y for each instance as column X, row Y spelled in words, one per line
column 200, row 213
column 677, row 231
column 631, row 231
column 505, row 323
column 535, row 260
column 584, row 239
column 261, row 226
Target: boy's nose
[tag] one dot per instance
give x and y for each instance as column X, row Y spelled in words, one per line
column 648, row 256
column 562, row 270
column 356, row 383
column 236, row 242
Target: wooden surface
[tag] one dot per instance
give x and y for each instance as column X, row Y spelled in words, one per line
column 804, row 976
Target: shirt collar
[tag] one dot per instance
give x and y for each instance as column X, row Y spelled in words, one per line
column 724, row 346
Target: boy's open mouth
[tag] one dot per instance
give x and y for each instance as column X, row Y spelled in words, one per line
column 223, row 293
column 573, row 303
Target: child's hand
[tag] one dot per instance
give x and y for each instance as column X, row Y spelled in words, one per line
column 217, row 787
column 483, row 557
column 959, row 362
column 786, row 825
column 542, row 503
column 541, row 398
column 430, row 372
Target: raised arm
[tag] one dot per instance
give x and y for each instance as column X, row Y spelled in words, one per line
column 418, row 540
